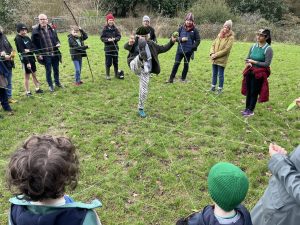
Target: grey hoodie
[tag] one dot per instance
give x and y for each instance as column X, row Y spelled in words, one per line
column 280, row 204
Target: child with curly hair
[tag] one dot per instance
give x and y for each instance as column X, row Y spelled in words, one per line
column 38, row 174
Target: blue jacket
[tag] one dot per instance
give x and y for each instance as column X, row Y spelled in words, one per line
column 193, row 41
column 207, row 217
column 72, row 213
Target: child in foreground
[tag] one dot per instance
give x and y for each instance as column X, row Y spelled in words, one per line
column 38, row 174
column 227, row 186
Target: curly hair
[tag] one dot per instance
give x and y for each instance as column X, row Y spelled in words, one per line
column 42, row 168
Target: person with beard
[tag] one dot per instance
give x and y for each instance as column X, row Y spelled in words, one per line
column 219, row 54
column 188, row 41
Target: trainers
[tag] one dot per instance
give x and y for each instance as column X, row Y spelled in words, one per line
column 108, row 78
column 183, row 80
column 220, row 91
column 81, row 82
column 212, row 89
column 76, row 83
column 142, row 113
column 51, row 89
column 59, row 85
column 12, row 101
column 248, row 113
column 28, row 94
column 39, row 91
column 243, row 111
column 170, row 81
column 142, row 44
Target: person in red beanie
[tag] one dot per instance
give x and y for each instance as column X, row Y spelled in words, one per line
column 110, row 35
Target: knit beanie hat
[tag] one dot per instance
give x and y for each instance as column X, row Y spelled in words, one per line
column 142, row 31
column 110, row 17
column 146, row 18
column 189, row 16
column 228, row 23
column 227, row 185
column 21, row 26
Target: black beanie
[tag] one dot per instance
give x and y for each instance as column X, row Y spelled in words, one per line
column 21, row 26
column 142, row 31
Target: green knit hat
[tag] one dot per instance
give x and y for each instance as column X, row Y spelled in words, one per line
column 142, row 31
column 227, row 185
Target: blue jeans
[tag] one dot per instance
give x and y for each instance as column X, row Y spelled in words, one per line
column 77, row 65
column 217, row 70
column 8, row 76
column 52, row 61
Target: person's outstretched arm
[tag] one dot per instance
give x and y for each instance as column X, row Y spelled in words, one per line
column 285, row 171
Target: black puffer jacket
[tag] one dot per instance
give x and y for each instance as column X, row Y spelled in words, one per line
column 110, row 32
column 77, row 50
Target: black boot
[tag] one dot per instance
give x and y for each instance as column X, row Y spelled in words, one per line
column 116, row 72
column 107, row 73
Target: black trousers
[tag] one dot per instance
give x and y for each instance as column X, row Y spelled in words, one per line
column 4, row 100
column 179, row 56
column 253, row 89
column 111, row 58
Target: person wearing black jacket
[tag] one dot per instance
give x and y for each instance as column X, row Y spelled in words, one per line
column 146, row 23
column 46, row 45
column 188, row 42
column 77, row 50
column 3, row 94
column 25, row 50
column 110, row 35
column 143, row 60
column 7, row 55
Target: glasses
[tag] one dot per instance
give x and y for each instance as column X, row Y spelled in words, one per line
column 43, row 19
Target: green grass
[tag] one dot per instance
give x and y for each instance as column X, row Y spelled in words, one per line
column 154, row 170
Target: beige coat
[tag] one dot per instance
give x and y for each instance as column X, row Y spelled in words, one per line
column 221, row 47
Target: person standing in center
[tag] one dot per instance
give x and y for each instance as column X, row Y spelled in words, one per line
column 219, row 54
column 143, row 60
column 46, row 45
column 188, row 41
column 110, row 35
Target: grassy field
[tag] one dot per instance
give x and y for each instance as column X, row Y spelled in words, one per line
column 154, row 170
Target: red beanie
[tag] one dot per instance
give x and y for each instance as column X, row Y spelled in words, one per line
column 110, row 17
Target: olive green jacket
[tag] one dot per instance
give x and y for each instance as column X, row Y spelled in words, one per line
column 221, row 48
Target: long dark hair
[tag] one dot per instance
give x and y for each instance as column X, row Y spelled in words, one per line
column 42, row 168
column 267, row 34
